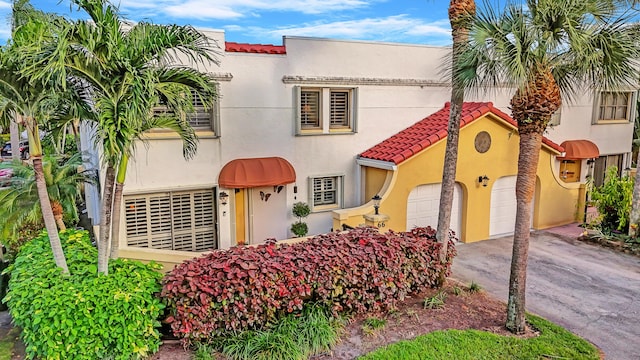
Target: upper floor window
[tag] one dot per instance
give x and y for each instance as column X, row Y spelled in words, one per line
column 614, row 106
column 326, row 110
column 202, row 118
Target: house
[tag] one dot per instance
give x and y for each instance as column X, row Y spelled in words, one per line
column 405, row 170
column 289, row 125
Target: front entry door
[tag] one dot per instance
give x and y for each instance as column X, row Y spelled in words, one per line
column 268, row 213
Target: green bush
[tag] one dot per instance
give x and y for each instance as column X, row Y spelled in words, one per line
column 613, row 201
column 295, row 336
column 83, row 315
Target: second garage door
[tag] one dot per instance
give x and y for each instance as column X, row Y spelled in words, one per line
column 504, row 206
column 424, row 203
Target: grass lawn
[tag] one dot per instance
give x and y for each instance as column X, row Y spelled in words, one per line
column 6, row 344
column 553, row 342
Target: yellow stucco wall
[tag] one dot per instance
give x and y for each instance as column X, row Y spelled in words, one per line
column 556, row 203
column 375, row 181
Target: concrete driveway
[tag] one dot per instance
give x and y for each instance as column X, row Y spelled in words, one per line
column 591, row 291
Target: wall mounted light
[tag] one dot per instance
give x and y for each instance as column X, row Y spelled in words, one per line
column 223, row 197
column 484, row 180
column 376, row 203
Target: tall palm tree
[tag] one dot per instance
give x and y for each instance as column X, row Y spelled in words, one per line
column 126, row 71
column 545, row 49
column 461, row 13
column 29, row 101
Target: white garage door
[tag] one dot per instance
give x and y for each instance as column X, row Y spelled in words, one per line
column 504, row 207
column 424, row 203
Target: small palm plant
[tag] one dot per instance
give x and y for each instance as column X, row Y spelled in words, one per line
column 19, row 204
column 300, row 210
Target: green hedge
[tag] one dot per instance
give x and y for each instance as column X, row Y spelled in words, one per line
column 83, row 315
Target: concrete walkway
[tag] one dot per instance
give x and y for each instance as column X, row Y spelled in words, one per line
column 591, row 291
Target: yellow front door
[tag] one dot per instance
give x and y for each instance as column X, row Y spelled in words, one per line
column 241, row 234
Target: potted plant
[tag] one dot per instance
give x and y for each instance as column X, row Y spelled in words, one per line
column 300, row 210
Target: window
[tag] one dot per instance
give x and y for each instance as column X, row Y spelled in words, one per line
column 603, row 163
column 614, row 106
column 200, row 119
column 181, row 220
column 326, row 110
column 555, row 118
column 326, row 192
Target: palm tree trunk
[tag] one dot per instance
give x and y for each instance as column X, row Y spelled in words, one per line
column 117, row 205
column 115, row 224
column 105, row 221
column 14, row 130
column 634, row 220
column 528, row 157
column 459, row 16
column 58, row 213
column 47, row 215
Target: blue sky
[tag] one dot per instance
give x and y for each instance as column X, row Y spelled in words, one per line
column 266, row 21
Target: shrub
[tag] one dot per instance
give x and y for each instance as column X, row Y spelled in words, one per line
column 613, row 201
column 295, row 336
column 83, row 315
column 300, row 210
column 246, row 288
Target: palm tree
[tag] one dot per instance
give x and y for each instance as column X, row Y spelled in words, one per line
column 19, row 202
column 461, row 13
column 634, row 216
column 545, row 48
column 126, row 70
column 29, row 101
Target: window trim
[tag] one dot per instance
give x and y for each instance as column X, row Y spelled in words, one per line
column 324, row 110
column 339, row 204
column 631, row 107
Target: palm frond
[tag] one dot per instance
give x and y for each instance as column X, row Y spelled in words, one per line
column 584, row 43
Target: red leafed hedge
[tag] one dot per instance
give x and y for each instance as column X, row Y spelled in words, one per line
column 247, row 287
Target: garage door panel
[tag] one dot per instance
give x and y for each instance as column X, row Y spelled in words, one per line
column 503, row 207
column 423, row 206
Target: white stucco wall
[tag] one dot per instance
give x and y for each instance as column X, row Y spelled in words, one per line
column 257, row 118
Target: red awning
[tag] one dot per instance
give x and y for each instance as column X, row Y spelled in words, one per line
column 579, row 149
column 250, row 173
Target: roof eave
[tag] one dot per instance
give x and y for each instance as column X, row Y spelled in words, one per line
column 379, row 164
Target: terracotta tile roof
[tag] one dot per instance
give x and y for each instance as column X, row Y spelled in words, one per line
column 254, row 48
column 432, row 129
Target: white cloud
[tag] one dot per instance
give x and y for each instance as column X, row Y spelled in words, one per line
column 5, row 5
column 5, row 33
column 441, row 27
column 392, row 28
column 233, row 9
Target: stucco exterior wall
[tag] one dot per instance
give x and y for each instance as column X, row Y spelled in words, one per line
column 556, row 203
column 397, row 84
